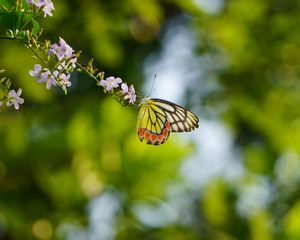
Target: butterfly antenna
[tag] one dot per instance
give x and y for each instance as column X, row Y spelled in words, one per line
column 152, row 87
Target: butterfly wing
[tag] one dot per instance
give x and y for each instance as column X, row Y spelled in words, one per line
column 181, row 119
column 152, row 124
column 158, row 117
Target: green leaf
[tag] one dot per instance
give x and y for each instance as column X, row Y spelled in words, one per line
column 35, row 27
column 7, row 3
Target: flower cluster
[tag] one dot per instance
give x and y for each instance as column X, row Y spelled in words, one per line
column 51, row 79
column 66, row 63
column 59, row 62
column 111, row 82
column 63, row 52
column 13, row 98
column 46, row 6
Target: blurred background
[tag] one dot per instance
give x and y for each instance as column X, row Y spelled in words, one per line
column 72, row 167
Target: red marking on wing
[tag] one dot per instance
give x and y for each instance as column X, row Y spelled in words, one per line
column 147, row 135
column 160, row 138
column 166, row 132
column 167, row 125
column 153, row 138
column 141, row 132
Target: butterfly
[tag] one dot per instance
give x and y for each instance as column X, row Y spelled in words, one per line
column 158, row 117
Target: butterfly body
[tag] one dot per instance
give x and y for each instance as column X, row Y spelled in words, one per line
column 158, row 117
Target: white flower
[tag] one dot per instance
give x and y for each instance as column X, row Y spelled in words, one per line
column 48, row 77
column 14, row 98
column 43, row 75
column 110, row 83
column 36, row 72
column 63, row 80
column 128, row 92
column 37, row 3
column 65, row 48
column 46, row 5
column 62, row 51
column 54, row 50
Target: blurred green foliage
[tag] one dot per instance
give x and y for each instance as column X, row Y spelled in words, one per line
column 58, row 152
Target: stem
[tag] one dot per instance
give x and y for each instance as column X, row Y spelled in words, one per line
column 37, row 55
column 38, row 48
column 86, row 71
column 22, row 40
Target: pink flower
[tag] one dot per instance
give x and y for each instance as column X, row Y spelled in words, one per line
column 61, row 51
column 63, row 80
column 14, row 98
column 110, row 83
column 48, row 78
column 36, row 70
column 43, row 75
column 46, row 5
column 128, row 92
